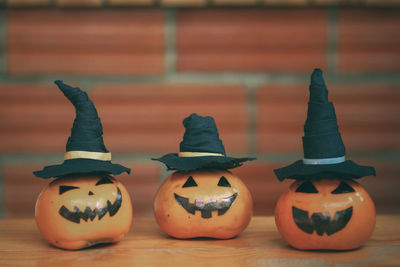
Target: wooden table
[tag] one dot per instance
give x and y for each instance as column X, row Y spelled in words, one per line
column 259, row 245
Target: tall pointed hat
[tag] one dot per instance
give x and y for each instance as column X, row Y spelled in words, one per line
column 200, row 148
column 85, row 150
column 324, row 151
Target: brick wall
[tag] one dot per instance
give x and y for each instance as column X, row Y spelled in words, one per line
column 148, row 68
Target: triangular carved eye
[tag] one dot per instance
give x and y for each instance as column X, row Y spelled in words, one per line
column 223, row 182
column 104, row 180
column 65, row 188
column 189, row 182
column 307, row 187
column 343, row 188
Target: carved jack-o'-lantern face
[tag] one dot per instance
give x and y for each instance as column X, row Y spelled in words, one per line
column 207, row 203
column 81, row 211
column 325, row 214
column 100, row 208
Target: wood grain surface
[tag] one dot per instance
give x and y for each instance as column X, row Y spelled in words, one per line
column 259, row 245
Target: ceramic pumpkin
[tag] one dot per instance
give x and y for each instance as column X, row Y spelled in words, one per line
column 202, row 198
column 324, row 208
column 335, row 214
column 85, row 205
column 84, row 210
column 204, row 203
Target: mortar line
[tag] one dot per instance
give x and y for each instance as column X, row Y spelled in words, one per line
column 223, row 78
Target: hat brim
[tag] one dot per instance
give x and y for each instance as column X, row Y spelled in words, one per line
column 347, row 169
column 174, row 162
column 76, row 166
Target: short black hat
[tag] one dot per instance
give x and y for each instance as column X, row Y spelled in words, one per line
column 200, row 148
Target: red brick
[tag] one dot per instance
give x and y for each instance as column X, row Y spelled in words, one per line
column 91, row 42
column 21, row 187
column 149, row 117
column 79, row 3
column 286, row 2
column 130, row 2
column 28, row 2
column 369, row 40
column 34, row 118
column 29, row 94
column 235, row 2
column 248, row 40
column 384, row 187
column 183, row 2
column 368, row 116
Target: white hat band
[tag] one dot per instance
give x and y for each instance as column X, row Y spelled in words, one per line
column 198, row 154
column 87, row 155
column 324, row 161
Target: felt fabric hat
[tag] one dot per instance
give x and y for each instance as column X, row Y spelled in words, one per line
column 85, row 150
column 324, row 151
column 200, row 148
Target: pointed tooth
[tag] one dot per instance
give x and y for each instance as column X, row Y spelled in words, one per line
column 206, row 214
column 101, row 212
column 85, row 214
column 79, row 213
column 92, row 214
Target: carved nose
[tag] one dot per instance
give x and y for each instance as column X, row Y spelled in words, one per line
column 91, row 193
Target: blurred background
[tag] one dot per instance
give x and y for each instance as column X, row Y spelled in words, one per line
column 147, row 64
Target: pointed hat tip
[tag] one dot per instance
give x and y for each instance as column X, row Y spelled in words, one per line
column 317, row 77
column 318, row 90
column 62, row 86
column 317, row 73
column 59, row 83
column 69, row 91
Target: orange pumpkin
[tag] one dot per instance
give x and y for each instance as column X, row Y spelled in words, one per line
column 203, row 203
column 80, row 211
column 329, row 214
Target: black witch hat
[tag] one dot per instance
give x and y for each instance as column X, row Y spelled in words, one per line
column 85, row 150
column 324, row 151
column 200, row 148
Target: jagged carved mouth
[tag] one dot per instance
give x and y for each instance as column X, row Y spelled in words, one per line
column 76, row 215
column 206, row 209
column 321, row 221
